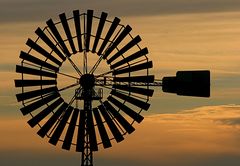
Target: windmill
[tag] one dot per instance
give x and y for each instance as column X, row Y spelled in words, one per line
column 105, row 102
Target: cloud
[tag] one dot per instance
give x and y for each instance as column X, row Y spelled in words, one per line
column 231, row 121
column 193, row 137
column 188, row 138
column 207, row 114
column 26, row 10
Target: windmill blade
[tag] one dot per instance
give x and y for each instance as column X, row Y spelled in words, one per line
column 35, row 93
column 146, row 79
column 130, row 58
column 89, row 29
column 110, row 32
column 132, row 100
column 43, row 52
column 99, row 30
column 135, row 116
column 30, row 58
column 76, row 17
column 51, row 121
column 138, row 90
column 26, row 83
column 81, row 132
column 142, row 66
column 116, row 133
column 91, row 131
column 59, row 129
column 27, row 70
column 126, row 125
column 132, row 43
column 113, row 118
column 116, row 42
column 55, row 32
column 70, row 132
column 37, row 104
column 45, row 38
column 102, row 131
column 67, row 31
column 40, row 116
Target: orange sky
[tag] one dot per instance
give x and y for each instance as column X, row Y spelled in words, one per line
column 177, row 131
column 188, row 137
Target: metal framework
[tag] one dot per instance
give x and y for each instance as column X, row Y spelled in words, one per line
column 127, row 81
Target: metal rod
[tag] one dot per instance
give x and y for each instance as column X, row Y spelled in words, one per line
column 67, row 75
column 67, row 87
column 108, row 81
column 87, row 154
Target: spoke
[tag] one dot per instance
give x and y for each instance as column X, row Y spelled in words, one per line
column 104, row 74
column 67, row 87
column 72, row 100
column 74, row 66
column 85, row 48
column 105, row 86
column 67, row 75
column 85, row 62
column 96, row 65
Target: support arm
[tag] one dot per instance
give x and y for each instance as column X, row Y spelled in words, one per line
column 185, row 83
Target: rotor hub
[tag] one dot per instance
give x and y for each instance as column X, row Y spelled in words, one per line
column 87, row 81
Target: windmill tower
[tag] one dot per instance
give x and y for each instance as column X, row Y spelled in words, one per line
column 105, row 102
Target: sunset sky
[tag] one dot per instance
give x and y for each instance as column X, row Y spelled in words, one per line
column 176, row 131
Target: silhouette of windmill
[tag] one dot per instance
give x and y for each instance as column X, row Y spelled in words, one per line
column 92, row 117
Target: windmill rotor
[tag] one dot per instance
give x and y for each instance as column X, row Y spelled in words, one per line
column 110, row 83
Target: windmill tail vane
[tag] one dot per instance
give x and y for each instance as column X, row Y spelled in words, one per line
column 109, row 85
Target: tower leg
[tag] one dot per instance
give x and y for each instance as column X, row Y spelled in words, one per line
column 87, row 154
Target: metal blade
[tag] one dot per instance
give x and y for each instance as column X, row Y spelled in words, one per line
column 138, row 90
column 37, row 104
column 130, row 58
column 91, row 132
column 25, row 83
column 51, row 121
column 45, row 38
column 126, row 125
column 30, row 58
column 142, row 66
column 81, row 132
column 132, row 43
column 102, row 131
column 146, row 79
column 135, row 116
column 58, row 131
column 57, row 35
column 43, row 52
column 132, row 100
column 89, row 29
column 67, row 31
column 99, row 30
column 35, row 93
column 115, row 43
column 116, row 133
column 40, row 116
column 113, row 27
column 76, row 17
column 70, row 132
column 27, row 70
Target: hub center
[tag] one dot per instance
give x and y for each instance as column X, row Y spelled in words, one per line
column 87, row 81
